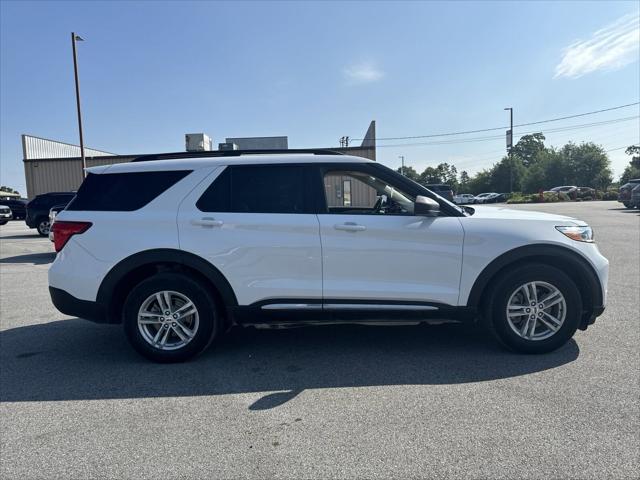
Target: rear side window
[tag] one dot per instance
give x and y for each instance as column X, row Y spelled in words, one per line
column 257, row 189
column 123, row 192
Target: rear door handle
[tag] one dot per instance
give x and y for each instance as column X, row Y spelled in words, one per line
column 349, row 227
column 207, row 222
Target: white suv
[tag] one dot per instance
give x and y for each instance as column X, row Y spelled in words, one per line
column 180, row 247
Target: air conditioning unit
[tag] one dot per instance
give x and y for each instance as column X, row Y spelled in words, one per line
column 198, row 142
column 227, row 146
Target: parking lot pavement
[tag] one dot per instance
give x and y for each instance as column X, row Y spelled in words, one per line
column 338, row 401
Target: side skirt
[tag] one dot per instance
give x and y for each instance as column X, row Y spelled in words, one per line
column 297, row 312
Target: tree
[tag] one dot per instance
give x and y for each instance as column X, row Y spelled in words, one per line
column 464, row 180
column 587, row 165
column 431, row 175
column 501, row 174
column 8, row 190
column 633, row 169
column 480, row 183
column 528, row 148
column 410, row 172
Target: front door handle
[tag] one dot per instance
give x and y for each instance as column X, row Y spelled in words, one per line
column 207, row 222
column 349, row 227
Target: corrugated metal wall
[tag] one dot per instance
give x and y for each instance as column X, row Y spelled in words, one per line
column 36, row 147
column 362, row 195
column 61, row 174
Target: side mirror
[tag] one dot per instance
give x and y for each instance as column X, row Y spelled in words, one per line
column 425, row 206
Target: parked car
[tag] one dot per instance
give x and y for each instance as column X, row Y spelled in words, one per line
column 490, row 197
column 38, row 209
column 18, row 207
column 634, row 201
column 624, row 194
column 53, row 211
column 464, row 199
column 570, row 190
column 584, row 192
column 445, row 191
column 186, row 246
column 5, row 214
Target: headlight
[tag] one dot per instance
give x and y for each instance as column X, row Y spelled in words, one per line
column 579, row 234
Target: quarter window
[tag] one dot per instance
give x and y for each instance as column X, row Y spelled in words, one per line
column 122, row 192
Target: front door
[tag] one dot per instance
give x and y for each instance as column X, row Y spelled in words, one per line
column 374, row 249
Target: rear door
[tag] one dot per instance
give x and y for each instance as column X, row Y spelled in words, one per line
column 255, row 224
column 375, row 250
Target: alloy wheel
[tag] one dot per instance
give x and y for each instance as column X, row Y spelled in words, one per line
column 168, row 320
column 536, row 310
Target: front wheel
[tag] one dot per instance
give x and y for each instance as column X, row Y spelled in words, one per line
column 170, row 318
column 534, row 308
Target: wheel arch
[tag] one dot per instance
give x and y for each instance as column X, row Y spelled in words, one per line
column 135, row 268
column 586, row 278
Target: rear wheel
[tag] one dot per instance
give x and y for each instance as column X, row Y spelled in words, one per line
column 170, row 318
column 43, row 226
column 534, row 308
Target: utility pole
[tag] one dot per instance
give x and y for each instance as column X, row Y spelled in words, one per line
column 77, row 38
column 401, row 157
column 510, row 147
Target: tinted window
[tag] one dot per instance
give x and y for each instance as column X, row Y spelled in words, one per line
column 257, row 189
column 123, row 192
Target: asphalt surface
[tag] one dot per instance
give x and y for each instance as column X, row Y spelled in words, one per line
column 319, row 402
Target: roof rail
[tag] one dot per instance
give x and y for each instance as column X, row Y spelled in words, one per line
column 233, row 153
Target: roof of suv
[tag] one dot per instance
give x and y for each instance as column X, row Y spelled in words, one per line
column 192, row 163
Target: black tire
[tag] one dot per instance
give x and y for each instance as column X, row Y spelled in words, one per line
column 626, row 205
column 208, row 316
column 495, row 309
column 3, row 222
column 42, row 225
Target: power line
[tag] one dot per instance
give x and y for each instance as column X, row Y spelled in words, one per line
column 620, row 148
column 502, row 128
column 495, row 137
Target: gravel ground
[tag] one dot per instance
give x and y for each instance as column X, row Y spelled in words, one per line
column 324, row 402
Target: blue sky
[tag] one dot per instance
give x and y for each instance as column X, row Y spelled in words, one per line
column 152, row 71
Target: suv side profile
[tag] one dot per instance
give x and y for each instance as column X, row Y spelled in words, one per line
column 179, row 248
column 38, row 209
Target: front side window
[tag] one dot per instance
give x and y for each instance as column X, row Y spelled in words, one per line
column 257, row 189
column 353, row 192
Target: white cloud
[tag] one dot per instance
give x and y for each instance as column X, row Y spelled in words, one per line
column 363, row 72
column 609, row 48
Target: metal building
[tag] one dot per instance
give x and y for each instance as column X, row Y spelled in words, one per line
column 52, row 166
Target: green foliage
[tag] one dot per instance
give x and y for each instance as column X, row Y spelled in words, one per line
column 8, row 189
column 409, row 172
column 528, row 148
column 633, row 169
column 535, row 168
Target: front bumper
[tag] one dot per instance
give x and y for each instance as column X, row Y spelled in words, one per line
column 70, row 305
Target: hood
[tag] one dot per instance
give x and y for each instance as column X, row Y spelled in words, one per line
column 482, row 211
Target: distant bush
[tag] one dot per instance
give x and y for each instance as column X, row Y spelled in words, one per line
column 610, row 195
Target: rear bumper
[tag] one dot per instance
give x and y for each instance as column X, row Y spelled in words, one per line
column 70, row 305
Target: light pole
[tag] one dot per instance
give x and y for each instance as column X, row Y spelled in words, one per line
column 510, row 147
column 77, row 38
column 401, row 157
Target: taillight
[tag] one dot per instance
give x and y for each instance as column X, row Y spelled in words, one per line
column 63, row 231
